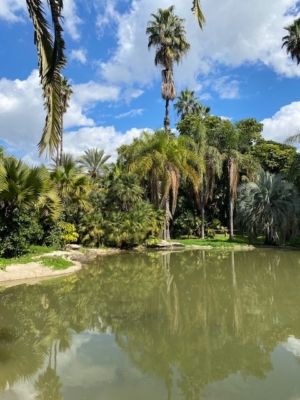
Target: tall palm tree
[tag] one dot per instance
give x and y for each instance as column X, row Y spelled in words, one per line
column 93, row 161
column 292, row 40
column 187, row 104
column 65, row 94
column 209, row 164
column 52, row 59
column 167, row 35
column 270, row 206
column 161, row 159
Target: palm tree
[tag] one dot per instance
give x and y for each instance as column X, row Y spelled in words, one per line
column 187, row 104
column 93, row 161
column 24, row 187
column 270, row 206
column 160, row 159
column 51, row 59
column 292, row 40
column 209, row 161
column 72, row 185
column 23, row 191
column 167, row 35
column 65, row 94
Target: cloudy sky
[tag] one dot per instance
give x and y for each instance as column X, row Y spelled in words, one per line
column 236, row 66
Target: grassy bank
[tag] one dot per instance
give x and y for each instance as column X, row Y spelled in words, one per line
column 55, row 262
column 220, row 241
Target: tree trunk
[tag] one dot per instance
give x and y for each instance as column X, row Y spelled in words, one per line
column 231, row 207
column 61, row 139
column 202, row 210
column 166, row 231
column 167, row 119
column 231, row 202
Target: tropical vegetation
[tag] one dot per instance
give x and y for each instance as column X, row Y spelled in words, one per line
column 208, row 176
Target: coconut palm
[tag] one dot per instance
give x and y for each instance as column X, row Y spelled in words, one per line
column 188, row 104
column 292, row 40
column 65, row 94
column 93, row 161
column 270, row 206
column 167, row 35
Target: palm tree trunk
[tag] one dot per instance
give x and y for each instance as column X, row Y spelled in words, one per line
column 202, row 210
column 166, row 231
column 231, row 201
column 167, row 119
column 231, row 207
column 61, row 139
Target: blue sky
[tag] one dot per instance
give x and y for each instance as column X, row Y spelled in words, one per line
column 236, row 66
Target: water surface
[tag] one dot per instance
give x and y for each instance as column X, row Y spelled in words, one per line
column 185, row 325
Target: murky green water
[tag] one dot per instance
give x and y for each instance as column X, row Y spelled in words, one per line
column 189, row 325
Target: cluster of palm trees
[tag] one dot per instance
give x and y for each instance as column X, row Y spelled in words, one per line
column 104, row 203
column 137, row 197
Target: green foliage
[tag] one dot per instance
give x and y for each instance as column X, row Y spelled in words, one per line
column 292, row 39
column 29, row 256
column 68, row 233
column 249, row 131
column 56, row 262
column 217, row 241
column 268, row 206
column 274, row 157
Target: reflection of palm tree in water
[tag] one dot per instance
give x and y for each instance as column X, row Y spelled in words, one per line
column 237, row 307
column 48, row 385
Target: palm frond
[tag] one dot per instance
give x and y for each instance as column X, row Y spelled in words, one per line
column 196, row 10
column 51, row 59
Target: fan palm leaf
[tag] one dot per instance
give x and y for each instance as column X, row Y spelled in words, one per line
column 292, row 40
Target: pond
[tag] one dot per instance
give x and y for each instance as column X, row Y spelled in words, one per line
column 183, row 325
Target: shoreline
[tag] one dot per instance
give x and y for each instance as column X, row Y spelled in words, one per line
column 33, row 272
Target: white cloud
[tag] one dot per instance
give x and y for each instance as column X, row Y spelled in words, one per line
column 15, row 10
column 106, row 138
column 22, row 115
column 282, row 124
column 79, row 55
column 71, row 19
column 92, row 92
column 225, row 87
column 12, row 10
column 131, row 113
column 293, row 345
column 107, row 17
column 236, row 33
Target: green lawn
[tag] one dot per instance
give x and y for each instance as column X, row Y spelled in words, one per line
column 56, row 262
column 219, row 241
